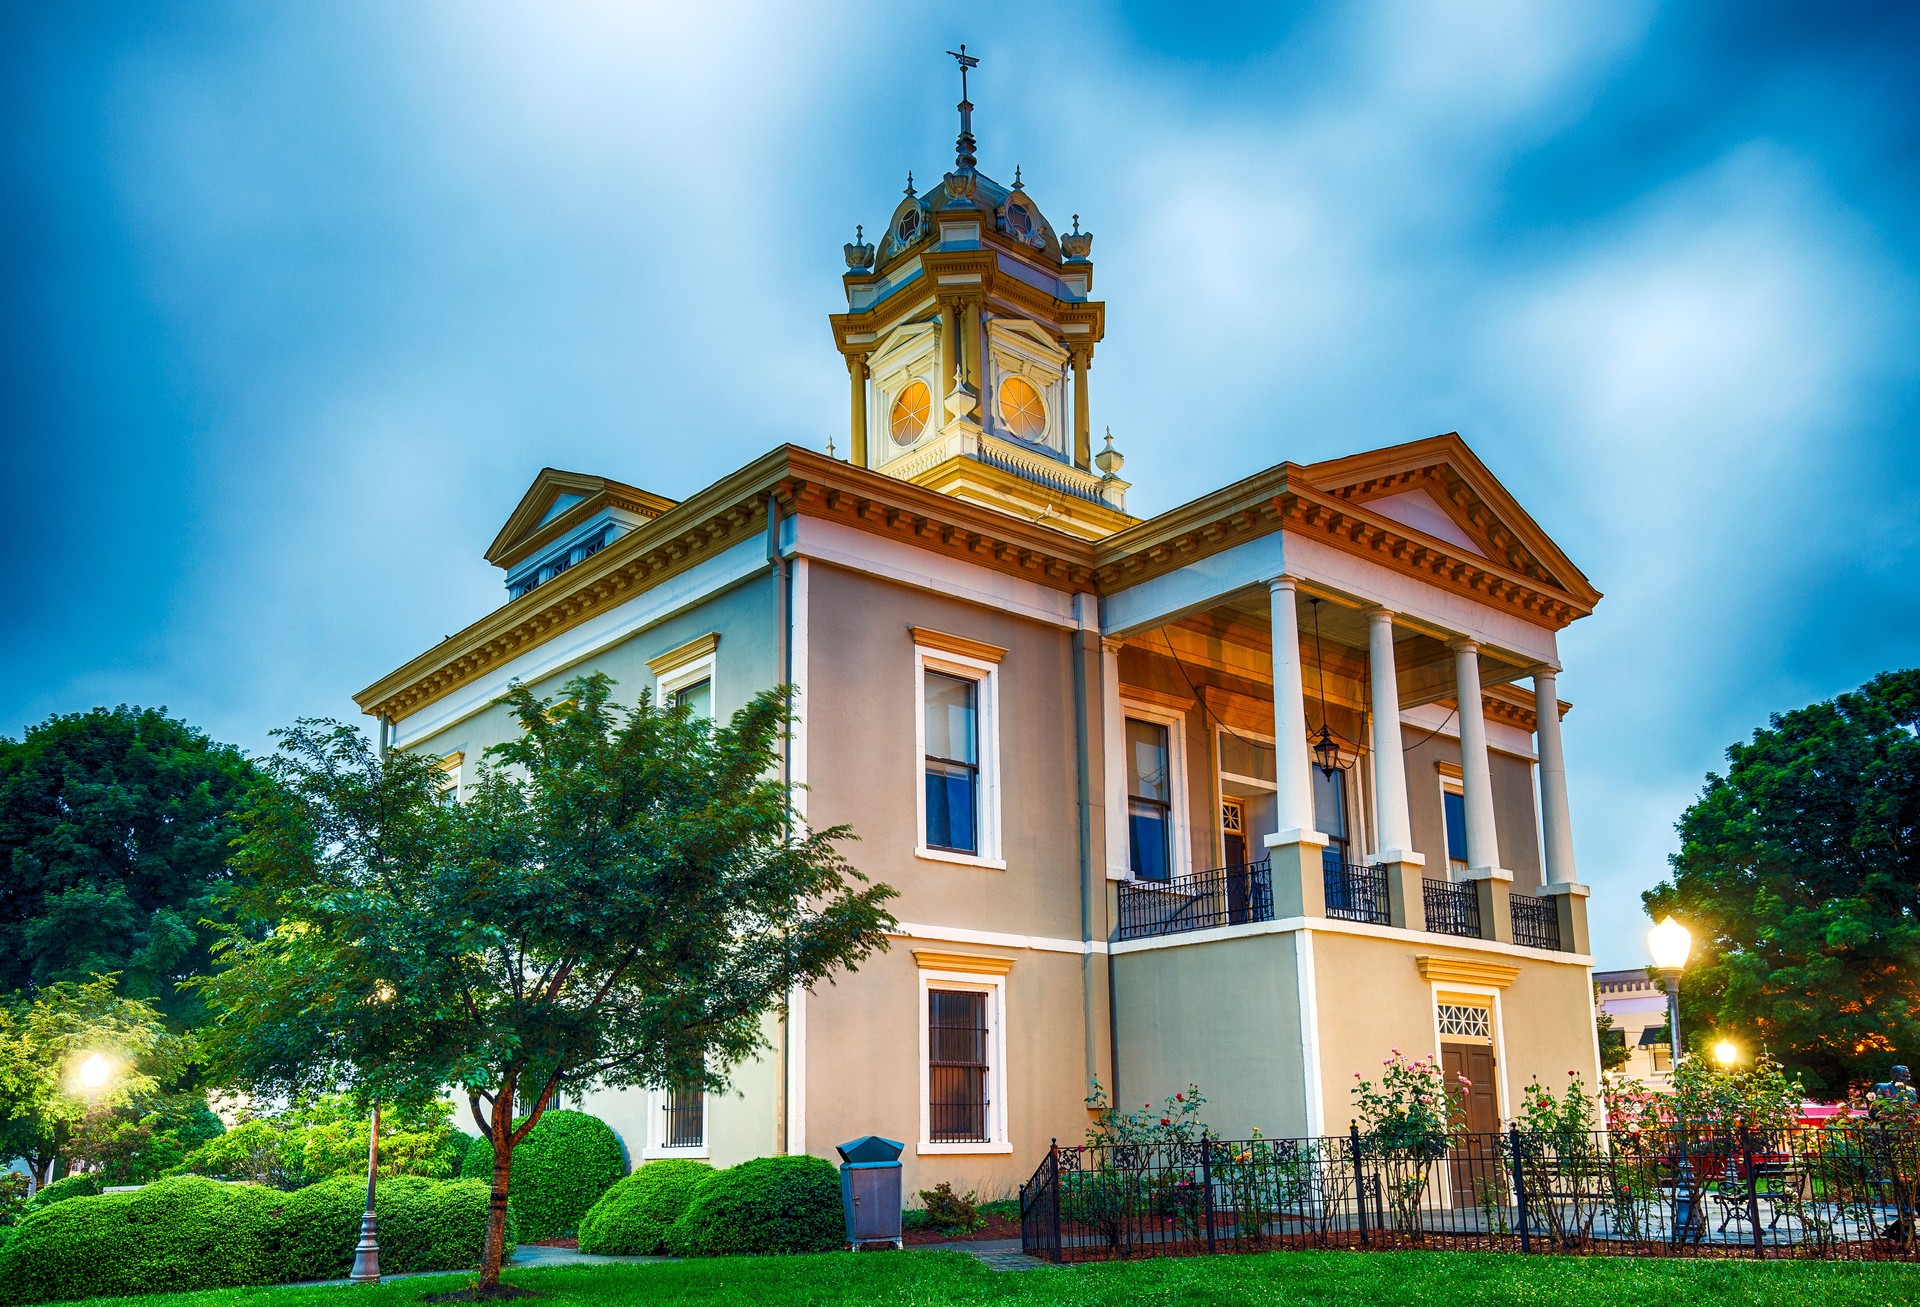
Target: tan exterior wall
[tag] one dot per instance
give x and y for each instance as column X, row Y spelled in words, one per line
column 1223, row 1015
column 863, row 1066
column 1515, row 818
column 1373, row 999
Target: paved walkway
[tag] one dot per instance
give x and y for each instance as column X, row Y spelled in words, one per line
column 535, row 1255
column 994, row 1254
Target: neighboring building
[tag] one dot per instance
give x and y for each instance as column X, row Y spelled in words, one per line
column 1081, row 744
column 1639, row 1009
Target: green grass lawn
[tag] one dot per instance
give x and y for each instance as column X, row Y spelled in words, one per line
column 1467, row 1279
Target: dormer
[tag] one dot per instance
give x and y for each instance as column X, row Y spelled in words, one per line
column 563, row 519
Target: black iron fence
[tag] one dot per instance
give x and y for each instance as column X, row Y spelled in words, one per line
column 1356, row 893
column 1225, row 896
column 1837, row 1192
column 1452, row 909
column 1536, row 921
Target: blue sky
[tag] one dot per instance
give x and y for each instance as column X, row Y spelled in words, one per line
column 298, row 297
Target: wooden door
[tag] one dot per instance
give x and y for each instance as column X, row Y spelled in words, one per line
column 1233, row 859
column 1474, row 1163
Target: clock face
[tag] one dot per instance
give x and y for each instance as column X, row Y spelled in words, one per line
column 1022, row 411
column 909, row 226
column 910, row 409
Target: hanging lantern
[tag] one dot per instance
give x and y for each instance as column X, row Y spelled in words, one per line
column 1326, row 750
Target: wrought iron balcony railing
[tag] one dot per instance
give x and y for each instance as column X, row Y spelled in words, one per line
column 1452, row 909
column 1536, row 922
column 1225, row 896
column 1356, row 893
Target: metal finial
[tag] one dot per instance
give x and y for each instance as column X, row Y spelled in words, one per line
column 964, row 145
column 859, row 233
column 1017, row 183
column 830, row 453
column 1076, row 224
column 909, row 181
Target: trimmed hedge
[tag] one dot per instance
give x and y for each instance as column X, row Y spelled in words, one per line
column 87, row 1184
column 633, row 1217
column 769, row 1205
column 194, row 1233
column 559, row 1171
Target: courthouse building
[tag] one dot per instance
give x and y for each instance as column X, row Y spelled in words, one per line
column 1244, row 794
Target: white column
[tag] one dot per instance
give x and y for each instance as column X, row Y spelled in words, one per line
column 1113, row 760
column 1393, row 829
column 1483, row 846
column 1556, row 829
column 1293, row 801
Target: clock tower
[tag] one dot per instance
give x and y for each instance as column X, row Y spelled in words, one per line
column 969, row 332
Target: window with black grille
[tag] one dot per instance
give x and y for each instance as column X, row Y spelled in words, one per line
column 684, row 1118
column 957, row 1066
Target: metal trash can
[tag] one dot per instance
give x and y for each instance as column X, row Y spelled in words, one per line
column 870, row 1190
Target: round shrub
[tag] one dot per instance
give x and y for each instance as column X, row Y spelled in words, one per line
column 184, row 1233
column 633, row 1217
column 424, row 1225
column 559, row 1171
column 767, row 1205
column 87, row 1184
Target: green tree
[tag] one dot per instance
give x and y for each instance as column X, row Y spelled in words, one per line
column 115, row 827
column 1799, row 873
column 44, row 1043
column 618, row 901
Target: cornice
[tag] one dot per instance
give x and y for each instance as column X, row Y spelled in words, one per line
column 1280, row 499
column 733, row 508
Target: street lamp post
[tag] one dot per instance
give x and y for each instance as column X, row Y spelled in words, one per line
column 366, row 1254
column 1670, row 942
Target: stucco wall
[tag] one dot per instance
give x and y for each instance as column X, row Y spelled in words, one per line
column 1223, row 1015
column 863, row 1065
column 1373, row 999
column 865, row 772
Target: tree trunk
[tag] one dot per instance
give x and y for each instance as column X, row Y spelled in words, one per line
column 494, row 1254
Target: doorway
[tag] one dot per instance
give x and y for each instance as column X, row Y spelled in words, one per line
column 1473, row 1162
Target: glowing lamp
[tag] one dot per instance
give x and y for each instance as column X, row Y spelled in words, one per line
column 1669, row 942
column 93, row 1072
column 1725, row 1053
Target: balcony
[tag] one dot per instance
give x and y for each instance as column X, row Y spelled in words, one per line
column 1242, row 895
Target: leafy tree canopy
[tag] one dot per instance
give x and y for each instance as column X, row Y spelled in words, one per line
column 1799, row 874
column 619, row 899
column 115, row 827
column 44, row 1044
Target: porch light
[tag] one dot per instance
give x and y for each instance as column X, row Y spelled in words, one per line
column 1326, row 753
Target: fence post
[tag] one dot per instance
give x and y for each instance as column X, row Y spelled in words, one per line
column 1359, row 1179
column 1053, row 1166
column 1753, row 1193
column 1206, row 1183
column 1515, row 1143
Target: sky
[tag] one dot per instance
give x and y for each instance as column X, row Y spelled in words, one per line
column 295, row 299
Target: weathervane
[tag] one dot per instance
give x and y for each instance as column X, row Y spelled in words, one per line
column 964, row 157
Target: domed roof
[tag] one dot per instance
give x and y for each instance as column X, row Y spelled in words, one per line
column 1014, row 214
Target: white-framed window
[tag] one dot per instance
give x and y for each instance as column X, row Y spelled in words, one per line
column 451, row 768
column 1154, row 769
column 1453, row 808
column 957, row 738
column 691, row 684
column 963, row 1063
column 676, row 1122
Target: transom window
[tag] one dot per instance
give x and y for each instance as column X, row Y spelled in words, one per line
column 1464, row 1021
column 1149, row 801
column 952, row 762
column 958, row 1066
column 1022, row 411
column 910, row 410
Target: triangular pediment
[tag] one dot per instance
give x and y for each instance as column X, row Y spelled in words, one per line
column 559, row 501
column 1439, row 488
